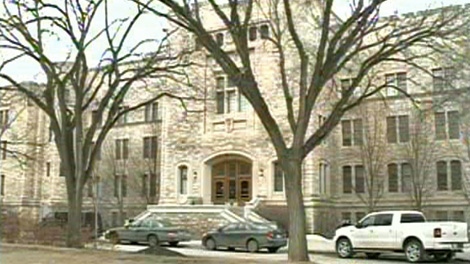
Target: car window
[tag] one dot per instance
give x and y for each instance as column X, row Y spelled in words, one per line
column 230, row 227
column 147, row 223
column 412, row 218
column 368, row 221
column 383, row 220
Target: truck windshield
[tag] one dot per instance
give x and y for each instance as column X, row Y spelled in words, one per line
column 412, row 218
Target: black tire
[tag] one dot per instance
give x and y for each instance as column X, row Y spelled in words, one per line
column 114, row 238
column 153, row 241
column 344, row 248
column 252, row 246
column 273, row 249
column 444, row 257
column 372, row 255
column 210, row 244
column 173, row 243
column 414, row 251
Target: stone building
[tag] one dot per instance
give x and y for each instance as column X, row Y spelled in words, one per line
column 217, row 164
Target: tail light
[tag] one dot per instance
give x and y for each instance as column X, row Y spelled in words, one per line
column 437, row 232
column 270, row 235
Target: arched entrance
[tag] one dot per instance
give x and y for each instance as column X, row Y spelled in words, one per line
column 231, row 181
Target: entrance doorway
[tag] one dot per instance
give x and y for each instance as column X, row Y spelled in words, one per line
column 231, row 182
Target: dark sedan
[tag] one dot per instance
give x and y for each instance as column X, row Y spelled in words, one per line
column 150, row 230
column 249, row 236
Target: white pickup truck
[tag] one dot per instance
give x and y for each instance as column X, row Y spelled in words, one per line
column 401, row 231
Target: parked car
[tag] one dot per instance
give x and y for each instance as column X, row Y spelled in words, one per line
column 150, row 230
column 250, row 236
column 401, row 231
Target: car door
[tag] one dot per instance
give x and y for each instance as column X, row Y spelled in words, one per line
column 362, row 231
column 228, row 235
column 381, row 233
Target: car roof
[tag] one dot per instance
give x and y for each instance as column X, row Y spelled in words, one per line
column 397, row 211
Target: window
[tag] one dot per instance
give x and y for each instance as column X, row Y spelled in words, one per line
column 399, row 173
column 369, row 221
column 394, row 81
column 183, row 179
column 398, row 129
column 278, row 178
column 264, row 31
column 122, row 149
column 406, row 178
column 449, row 172
column 149, row 182
column 197, row 43
column 321, row 121
column 347, row 179
column 383, row 220
column 95, row 118
column 2, row 185
column 228, row 97
column 323, row 176
column 4, row 118
column 441, row 176
column 48, row 169
column 219, row 39
column 360, row 180
column 123, row 118
column 120, row 186
column 352, row 132
column 151, row 112
column 456, row 175
column 447, row 125
column 412, row 218
column 442, row 79
column 252, row 32
column 3, row 146
column 150, row 147
column 392, row 178
column 114, row 219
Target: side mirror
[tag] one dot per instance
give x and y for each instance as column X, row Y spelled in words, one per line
column 358, row 225
column 220, row 229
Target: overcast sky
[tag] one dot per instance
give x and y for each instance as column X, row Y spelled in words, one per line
column 148, row 28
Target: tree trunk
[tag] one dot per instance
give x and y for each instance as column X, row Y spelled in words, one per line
column 74, row 219
column 297, row 227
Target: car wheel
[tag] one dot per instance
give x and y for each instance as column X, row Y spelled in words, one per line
column 252, row 246
column 114, row 238
column 372, row 255
column 414, row 251
column 173, row 243
column 210, row 244
column 344, row 248
column 273, row 249
column 153, row 240
column 444, row 257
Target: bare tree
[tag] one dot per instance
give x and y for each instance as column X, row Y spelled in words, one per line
column 373, row 152
column 73, row 88
column 420, row 154
column 318, row 48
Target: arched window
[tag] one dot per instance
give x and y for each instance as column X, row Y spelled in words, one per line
column 183, row 179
